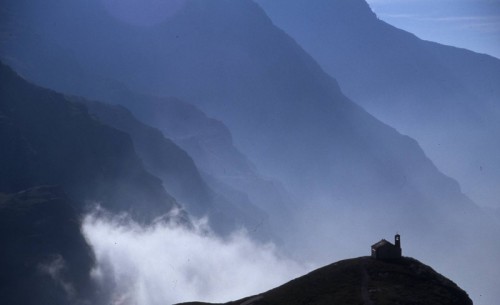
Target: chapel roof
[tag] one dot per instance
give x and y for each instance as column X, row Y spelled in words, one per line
column 381, row 243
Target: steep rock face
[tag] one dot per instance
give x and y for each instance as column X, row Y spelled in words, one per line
column 210, row 143
column 160, row 155
column 366, row 281
column 177, row 170
column 45, row 259
column 49, row 140
column 445, row 97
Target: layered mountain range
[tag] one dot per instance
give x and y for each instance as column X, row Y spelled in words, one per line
column 285, row 113
column 49, row 140
column 180, row 176
column 210, row 143
column 445, row 97
column 215, row 106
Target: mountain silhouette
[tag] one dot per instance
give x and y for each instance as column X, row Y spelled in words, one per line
column 364, row 280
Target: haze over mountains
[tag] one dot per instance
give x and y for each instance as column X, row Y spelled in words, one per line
column 445, row 97
column 180, row 175
column 278, row 103
column 238, row 123
column 52, row 141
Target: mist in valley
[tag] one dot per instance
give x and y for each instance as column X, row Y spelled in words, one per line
column 165, row 263
column 280, row 150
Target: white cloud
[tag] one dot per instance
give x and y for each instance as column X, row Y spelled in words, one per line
column 166, row 264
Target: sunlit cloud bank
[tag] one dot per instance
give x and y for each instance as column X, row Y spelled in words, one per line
column 166, row 263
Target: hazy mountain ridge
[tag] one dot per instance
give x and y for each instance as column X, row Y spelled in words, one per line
column 365, row 281
column 207, row 140
column 210, row 143
column 351, row 172
column 445, row 97
column 49, row 140
column 283, row 111
column 178, row 172
column 279, row 105
column 160, row 156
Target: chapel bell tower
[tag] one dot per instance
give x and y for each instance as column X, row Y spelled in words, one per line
column 397, row 241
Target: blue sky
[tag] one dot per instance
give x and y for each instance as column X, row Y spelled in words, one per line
column 471, row 24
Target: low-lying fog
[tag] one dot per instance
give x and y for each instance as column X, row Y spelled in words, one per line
column 167, row 263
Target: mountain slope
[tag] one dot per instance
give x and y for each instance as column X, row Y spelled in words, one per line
column 210, row 143
column 445, row 97
column 43, row 250
column 178, row 172
column 160, row 156
column 365, row 281
column 49, row 140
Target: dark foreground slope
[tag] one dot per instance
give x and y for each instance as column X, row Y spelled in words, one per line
column 366, row 281
column 44, row 257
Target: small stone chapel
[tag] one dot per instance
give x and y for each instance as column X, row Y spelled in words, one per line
column 385, row 250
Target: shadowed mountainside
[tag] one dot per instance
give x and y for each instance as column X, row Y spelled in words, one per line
column 48, row 140
column 210, row 143
column 45, row 258
column 180, row 176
